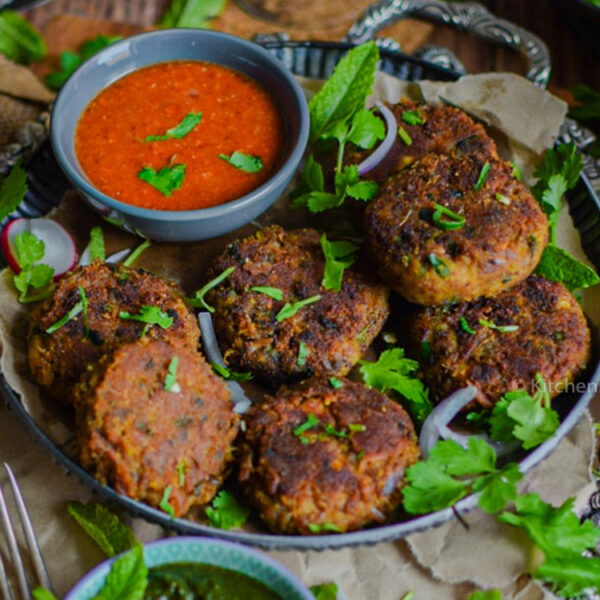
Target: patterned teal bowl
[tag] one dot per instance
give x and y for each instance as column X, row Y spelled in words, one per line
column 204, row 551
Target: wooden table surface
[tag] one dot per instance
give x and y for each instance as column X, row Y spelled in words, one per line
column 573, row 59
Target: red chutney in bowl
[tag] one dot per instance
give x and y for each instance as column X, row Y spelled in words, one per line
column 180, row 135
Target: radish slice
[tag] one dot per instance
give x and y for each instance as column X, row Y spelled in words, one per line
column 60, row 253
column 84, row 260
column 392, row 126
column 240, row 400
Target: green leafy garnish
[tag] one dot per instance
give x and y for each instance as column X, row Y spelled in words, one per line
column 289, row 310
column 198, row 299
column 557, row 264
column 229, row 374
column 503, row 199
column 446, row 219
column 19, row 41
column 272, row 292
column 501, row 328
column 338, row 257
column 485, row 595
column 151, row 315
column 451, row 472
column 12, row 190
column 303, row 353
column 357, row 427
column 331, row 430
column 97, row 249
column 128, row 578
column 181, row 469
column 365, row 129
column 171, row 384
column 482, row 176
column 311, row 421
column 166, row 181
column 516, row 172
column 226, row 512
column 164, row 503
column 195, row 14
column 323, row 528
column 84, row 309
column 70, row 61
column 179, row 131
column 29, row 251
column 464, row 325
column 346, row 90
column 412, row 117
column 588, row 107
column 71, row 314
column 40, row 593
column 408, row 596
column 104, row 527
column 440, row 267
column 336, row 384
column 404, row 136
column 393, row 371
column 325, row 591
column 243, row 162
column 136, row 253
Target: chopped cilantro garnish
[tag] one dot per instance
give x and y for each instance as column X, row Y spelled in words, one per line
column 272, row 292
column 303, row 353
column 323, row 528
column 311, row 421
column 29, row 251
column 516, row 172
column 331, row 430
column 485, row 595
column 166, row 181
column 404, row 136
column 412, row 117
column 178, row 132
column 71, row 314
column 198, row 299
column 357, row 427
column 12, row 190
column 226, row 512
column 440, row 267
column 136, row 253
column 84, row 308
column 482, row 176
column 171, row 384
column 327, row 591
column 164, row 503
column 243, row 162
column 151, row 315
column 501, row 328
column 97, row 250
column 336, row 383
column 465, row 326
column 229, row 374
column 338, row 257
column 502, row 199
column 289, row 310
column 181, row 469
column 453, row 220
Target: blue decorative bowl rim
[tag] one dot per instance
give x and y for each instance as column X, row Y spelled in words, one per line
column 100, row 572
column 298, row 146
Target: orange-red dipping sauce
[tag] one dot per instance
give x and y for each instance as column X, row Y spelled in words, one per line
column 238, row 115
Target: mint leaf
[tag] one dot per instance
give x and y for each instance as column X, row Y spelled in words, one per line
column 243, row 162
column 128, row 578
column 19, row 41
column 338, row 257
column 366, row 129
column 557, row 264
column 166, row 181
column 104, row 527
column 346, row 89
column 12, row 191
column 178, row 132
column 195, row 14
column 226, row 512
column 97, row 250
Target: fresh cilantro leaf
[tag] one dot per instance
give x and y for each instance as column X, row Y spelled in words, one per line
column 229, row 374
column 71, row 314
column 464, row 325
column 97, row 250
column 412, row 117
column 534, row 423
column 346, row 90
column 331, row 430
column 557, row 264
column 482, row 176
column 243, row 162
column 198, row 299
column 552, row 195
column 303, row 353
column 179, row 131
column 362, row 190
column 136, row 253
column 366, row 129
column 501, row 425
column 19, row 41
column 318, row 201
column 564, row 160
column 41, row 593
column 30, row 249
column 498, row 489
column 104, row 527
column 478, row 458
column 404, row 136
column 12, row 191
column 311, row 421
column 272, row 292
column 588, row 107
column 516, row 172
column 485, row 595
column 151, row 315
column 226, row 512
column 336, row 384
column 195, row 14
column 338, row 256
column 324, row 528
column 128, row 578
column 289, row 310
column 570, row 576
column 393, row 371
column 501, row 328
column 171, row 384
column 325, row 591
column 166, row 181
column 164, row 503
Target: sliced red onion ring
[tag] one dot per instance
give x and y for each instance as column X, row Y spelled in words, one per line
column 436, row 427
column 211, row 347
column 376, row 157
column 84, row 261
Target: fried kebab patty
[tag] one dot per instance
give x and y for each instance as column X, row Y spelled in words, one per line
column 328, row 336
column 499, row 245
column 444, row 129
column 58, row 359
column 552, row 338
column 141, row 439
column 317, row 459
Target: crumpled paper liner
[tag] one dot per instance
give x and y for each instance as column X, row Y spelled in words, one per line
column 382, row 572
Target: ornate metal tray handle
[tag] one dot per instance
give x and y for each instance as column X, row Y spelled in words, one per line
column 466, row 16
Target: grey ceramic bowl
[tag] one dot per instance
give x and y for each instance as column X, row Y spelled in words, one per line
column 130, row 54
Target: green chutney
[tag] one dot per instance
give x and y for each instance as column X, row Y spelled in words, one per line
column 192, row 581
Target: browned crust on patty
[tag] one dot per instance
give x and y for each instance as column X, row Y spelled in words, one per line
column 57, row 360
column 336, row 330
column 498, row 246
column 132, row 434
column 552, row 339
column 347, row 482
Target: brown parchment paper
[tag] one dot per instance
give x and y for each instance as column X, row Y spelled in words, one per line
column 446, row 562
